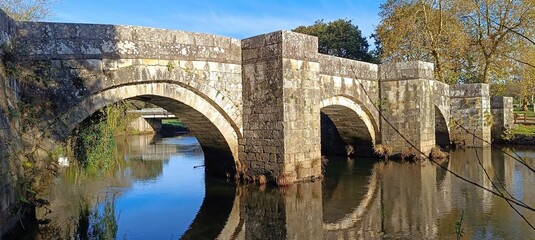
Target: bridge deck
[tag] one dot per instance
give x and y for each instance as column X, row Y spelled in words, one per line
column 153, row 113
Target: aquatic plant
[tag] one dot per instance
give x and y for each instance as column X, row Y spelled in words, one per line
column 285, row 179
column 437, row 153
column 383, row 150
column 262, row 179
column 409, row 152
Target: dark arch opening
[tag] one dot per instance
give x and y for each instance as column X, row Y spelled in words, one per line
column 442, row 136
column 344, row 133
column 218, row 157
column 217, row 153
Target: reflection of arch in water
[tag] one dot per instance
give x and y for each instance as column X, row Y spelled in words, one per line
column 217, row 215
column 214, row 129
column 352, row 219
column 345, row 121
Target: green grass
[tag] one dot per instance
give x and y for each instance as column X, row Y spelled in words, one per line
column 530, row 113
column 174, row 122
column 527, row 130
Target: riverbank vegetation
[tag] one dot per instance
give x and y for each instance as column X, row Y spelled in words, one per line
column 92, row 143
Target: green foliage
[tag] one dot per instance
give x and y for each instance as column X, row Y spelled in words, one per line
column 468, row 41
column 339, row 38
column 170, row 66
column 174, row 122
column 93, row 140
column 522, row 130
column 95, row 146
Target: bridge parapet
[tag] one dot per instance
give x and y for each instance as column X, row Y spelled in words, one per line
column 42, row 40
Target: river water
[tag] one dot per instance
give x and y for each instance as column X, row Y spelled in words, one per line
column 160, row 192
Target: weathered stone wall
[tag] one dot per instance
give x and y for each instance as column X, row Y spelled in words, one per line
column 281, row 105
column 502, row 115
column 407, row 104
column 9, row 139
column 301, row 101
column 470, row 109
column 262, row 148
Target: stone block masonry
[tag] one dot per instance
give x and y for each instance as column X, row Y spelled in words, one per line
column 9, row 124
column 471, row 113
column 502, row 116
column 281, row 99
column 407, row 106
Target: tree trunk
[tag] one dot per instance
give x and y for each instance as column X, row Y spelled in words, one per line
column 525, row 104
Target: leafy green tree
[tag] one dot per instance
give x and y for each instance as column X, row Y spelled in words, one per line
column 413, row 30
column 495, row 29
column 27, row 10
column 339, row 38
column 467, row 40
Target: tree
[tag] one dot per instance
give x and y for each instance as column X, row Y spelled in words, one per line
column 339, row 38
column 525, row 73
column 413, row 30
column 493, row 27
column 468, row 40
column 27, row 10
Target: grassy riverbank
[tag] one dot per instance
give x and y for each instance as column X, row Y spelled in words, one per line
column 173, row 122
column 526, row 130
column 529, row 113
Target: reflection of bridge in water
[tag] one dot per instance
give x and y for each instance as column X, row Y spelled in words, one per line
column 402, row 200
column 141, row 147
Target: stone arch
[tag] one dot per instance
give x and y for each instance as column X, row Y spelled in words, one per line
column 215, row 130
column 350, row 119
column 442, row 130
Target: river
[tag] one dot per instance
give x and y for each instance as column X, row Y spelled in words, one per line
column 160, row 191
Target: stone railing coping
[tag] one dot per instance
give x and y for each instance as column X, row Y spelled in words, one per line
column 469, row 90
column 343, row 67
column 73, row 40
column 406, row 70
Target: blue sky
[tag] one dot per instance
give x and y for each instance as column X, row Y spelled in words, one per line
column 234, row 18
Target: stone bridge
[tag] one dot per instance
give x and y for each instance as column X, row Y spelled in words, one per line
column 255, row 104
